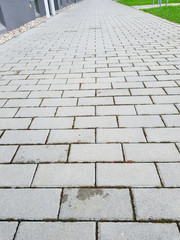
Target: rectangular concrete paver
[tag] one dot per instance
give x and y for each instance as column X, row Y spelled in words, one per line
column 51, row 123
column 14, row 123
column 95, row 153
column 163, row 134
column 75, row 111
column 96, row 204
column 157, row 204
column 56, row 231
column 64, row 175
column 29, row 204
column 169, row 173
column 36, row 112
column 56, row 102
column 138, row 231
column 120, row 135
column 131, row 100
column 123, row 174
column 7, row 153
column 23, row 103
column 140, row 121
column 41, row 153
column 172, row 120
column 115, row 110
column 95, row 122
column 24, row 137
column 151, row 152
column 72, row 136
column 95, row 101
column 7, row 230
column 7, row 112
column 156, row 109
column 16, row 175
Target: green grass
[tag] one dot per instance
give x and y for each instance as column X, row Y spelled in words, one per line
column 171, row 13
column 144, row 2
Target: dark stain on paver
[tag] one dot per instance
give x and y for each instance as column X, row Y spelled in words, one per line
column 64, row 198
column 84, row 194
column 106, row 195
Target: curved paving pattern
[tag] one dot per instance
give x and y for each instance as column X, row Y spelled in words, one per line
column 90, row 127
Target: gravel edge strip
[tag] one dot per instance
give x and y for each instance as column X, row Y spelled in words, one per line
column 11, row 34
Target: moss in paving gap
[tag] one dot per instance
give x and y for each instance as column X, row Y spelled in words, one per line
column 144, row 2
column 171, row 13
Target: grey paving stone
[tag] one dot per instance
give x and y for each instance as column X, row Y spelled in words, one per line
column 95, row 101
column 172, row 120
column 33, row 87
column 151, row 152
column 174, row 90
column 123, row 174
column 23, row 103
column 140, row 78
column 128, row 85
column 157, row 204
column 75, row 111
column 160, row 84
column 64, row 175
column 95, row 122
column 166, row 99
column 41, row 153
column 11, row 123
column 115, row 110
column 56, row 231
column 140, row 121
column 72, row 136
column 113, row 92
column 16, row 175
column 2, row 102
column 14, row 95
column 147, row 91
column 51, row 123
column 156, row 109
column 79, row 93
column 45, row 94
column 7, row 230
column 96, row 86
column 7, row 153
column 64, row 86
column 96, row 204
column 138, row 231
column 7, row 112
column 29, row 204
column 163, row 134
column 169, row 173
column 95, row 153
column 59, row 102
column 24, row 137
column 120, row 135
column 36, row 112
column 133, row 100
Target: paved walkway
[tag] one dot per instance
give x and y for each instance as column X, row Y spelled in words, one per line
column 90, row 127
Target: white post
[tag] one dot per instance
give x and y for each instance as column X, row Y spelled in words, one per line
column 47, row 8
column 52, row 7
